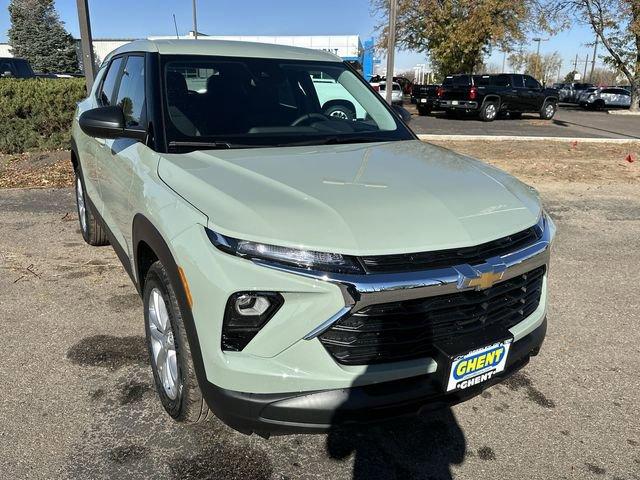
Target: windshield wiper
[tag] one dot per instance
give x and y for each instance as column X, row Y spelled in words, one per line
column 209, row 145
column 335, row 140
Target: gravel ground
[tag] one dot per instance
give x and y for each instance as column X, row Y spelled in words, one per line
column 77, row 398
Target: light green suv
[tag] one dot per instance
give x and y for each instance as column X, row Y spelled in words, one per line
column 299, row 268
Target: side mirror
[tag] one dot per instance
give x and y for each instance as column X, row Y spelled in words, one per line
column 107, row 122
column 404, row 113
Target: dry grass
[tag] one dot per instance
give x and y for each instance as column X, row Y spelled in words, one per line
column 36, row 170
column 538, row 161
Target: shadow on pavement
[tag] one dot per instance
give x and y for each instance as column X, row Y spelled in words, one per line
column 422, row 447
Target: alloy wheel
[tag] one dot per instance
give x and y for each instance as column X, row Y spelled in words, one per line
column 82, row 208
column 163, row 344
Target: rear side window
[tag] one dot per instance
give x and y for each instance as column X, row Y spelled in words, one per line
column 518, row 81
column 502, row 80
column 110, row 81
column 482, row 80
column 131, row 91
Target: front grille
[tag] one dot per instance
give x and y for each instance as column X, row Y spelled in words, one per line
column 406, row 262
column 407, row 330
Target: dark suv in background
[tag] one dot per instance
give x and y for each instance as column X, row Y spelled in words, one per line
column 491, row 95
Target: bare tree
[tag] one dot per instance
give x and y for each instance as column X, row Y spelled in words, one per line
column 542, row 67
column 617, row 26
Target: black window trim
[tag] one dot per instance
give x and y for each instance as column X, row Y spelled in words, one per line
column 124, row 56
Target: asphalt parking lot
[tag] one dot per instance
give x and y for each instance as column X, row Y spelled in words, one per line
column 569, row 121
column 77, row 398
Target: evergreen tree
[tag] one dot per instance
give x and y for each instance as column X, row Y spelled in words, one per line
column 38, row 34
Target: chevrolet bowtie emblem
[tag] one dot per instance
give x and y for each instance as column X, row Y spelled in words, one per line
column 485, row 280
column 480, row 277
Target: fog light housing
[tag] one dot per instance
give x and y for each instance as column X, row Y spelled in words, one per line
column 245, row 315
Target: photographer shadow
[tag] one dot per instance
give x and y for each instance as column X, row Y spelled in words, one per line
column 422, row 446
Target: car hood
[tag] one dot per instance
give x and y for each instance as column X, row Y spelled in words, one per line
column 362, row 199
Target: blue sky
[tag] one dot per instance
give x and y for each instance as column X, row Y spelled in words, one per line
column 116, row 19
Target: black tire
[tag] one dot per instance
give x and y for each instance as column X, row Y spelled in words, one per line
column 599, row 105
column 515, row 115
column 340, row 111
column 548, row 110
column 92, row 231
column 489, row 111
column 423, row 111
column 188, row 406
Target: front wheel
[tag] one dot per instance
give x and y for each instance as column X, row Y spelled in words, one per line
column 173, row 371
column 548, row 110
column 489, row 112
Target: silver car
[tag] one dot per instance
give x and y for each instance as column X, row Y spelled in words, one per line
column 584, row 94
column 396, row 94
column 608, row 97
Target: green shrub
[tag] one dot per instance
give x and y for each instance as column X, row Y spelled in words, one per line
column 36, row 114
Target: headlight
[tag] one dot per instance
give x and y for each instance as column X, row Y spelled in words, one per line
column 308, row 259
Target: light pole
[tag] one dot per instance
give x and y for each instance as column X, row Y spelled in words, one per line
column 391, row 48
column 538, row 62
column 86, row 42
column 195, row 21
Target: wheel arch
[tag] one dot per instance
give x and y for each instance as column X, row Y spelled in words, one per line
column 75, row 157
column 492, row 97
column 149, row 246
column 342, row 102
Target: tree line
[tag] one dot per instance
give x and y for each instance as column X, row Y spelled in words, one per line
column 458, row 34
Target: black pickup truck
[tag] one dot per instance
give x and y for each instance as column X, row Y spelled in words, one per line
column 425, row 97
column 493, row 95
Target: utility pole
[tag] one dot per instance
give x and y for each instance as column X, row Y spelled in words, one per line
column 586, row 64
column 575, row 65
column 593, row 61
column 195, row 21
column 86, row 42
column 504, row 61
column 391, row 48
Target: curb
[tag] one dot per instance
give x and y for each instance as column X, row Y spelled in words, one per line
column 506, row 138
column 623, row 112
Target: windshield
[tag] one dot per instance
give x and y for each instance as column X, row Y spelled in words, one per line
column 222, row 102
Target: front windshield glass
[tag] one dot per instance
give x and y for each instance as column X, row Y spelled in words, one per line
column 222, row 102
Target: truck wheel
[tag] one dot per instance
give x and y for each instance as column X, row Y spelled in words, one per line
column 548, row 110
column 340, row 111
column 422, row 111
column 173, row 371
column 91, row 229
column 489, row 112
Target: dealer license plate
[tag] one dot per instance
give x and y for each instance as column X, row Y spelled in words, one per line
column 478, row 366
column 423, row 100
column 454, row 102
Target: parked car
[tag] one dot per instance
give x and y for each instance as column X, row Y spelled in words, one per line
column 573, row 91
column 397, row 97
column 584, row 94
column 425, row 97
column 299, row 270
column 491, row 95
column 607, row 97
column 11, row 67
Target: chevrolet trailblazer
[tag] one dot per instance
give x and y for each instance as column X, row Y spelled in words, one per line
column 300, row 268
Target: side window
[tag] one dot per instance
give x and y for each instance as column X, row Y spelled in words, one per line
column 517, row 81
column 109, row 85
column 502, row 81
column 530, row 82
column 131, row 91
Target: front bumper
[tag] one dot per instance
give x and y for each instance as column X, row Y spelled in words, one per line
column 319, row 411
